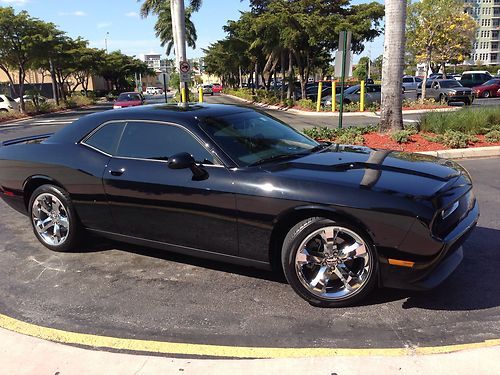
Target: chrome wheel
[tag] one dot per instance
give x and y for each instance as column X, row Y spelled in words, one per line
column 50, row 219
column 333, row 263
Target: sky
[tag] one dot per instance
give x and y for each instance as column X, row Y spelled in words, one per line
column 132, row 35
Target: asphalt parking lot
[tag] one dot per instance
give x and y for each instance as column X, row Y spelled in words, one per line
column 128, row 291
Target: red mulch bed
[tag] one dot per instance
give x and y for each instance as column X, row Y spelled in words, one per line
column 417, row 143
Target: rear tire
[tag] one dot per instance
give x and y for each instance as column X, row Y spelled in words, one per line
column 329, row 263
column 54, row 218
column 486, row 94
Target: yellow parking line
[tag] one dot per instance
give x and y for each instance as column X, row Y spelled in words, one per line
column 116, row 343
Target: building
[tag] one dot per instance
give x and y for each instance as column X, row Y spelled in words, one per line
column 153, row 60
column 486, row 46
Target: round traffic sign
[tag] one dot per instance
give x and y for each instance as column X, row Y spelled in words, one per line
column 184, row 67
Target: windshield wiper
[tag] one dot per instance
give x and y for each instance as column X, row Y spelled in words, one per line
column 320, row 147
column 274, row 158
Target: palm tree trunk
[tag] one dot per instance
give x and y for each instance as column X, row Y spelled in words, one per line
column 393, row 64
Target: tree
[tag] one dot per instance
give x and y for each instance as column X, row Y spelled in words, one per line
column 21, row 43
column 361, row 70
column 439, row 31
column 119, row 70
column 392, row 66
column 88, row 61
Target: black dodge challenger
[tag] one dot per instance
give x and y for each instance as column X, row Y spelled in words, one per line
column 233, row 184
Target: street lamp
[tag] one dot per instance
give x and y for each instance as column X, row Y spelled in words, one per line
column 106, row 41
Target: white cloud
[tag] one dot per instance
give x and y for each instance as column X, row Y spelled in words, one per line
column 77, row 13
column 131, row 14
column 13, row 2
column 103, row 25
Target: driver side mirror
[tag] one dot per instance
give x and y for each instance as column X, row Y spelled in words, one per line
column 184, row 160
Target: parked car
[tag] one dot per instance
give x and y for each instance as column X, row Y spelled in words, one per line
column 475, row 78
column 7, row 104
column 436, row 76
column 233, row 184
column 373, row 94
column 456, row 76
column 446, row 91
column 217, row 88
column 487, row 89
column 208, row 89
column 411, row 82
column 29, row 98
column 128, row 99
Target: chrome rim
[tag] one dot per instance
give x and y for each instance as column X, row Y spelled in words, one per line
column 50, row 219
column 333, row 263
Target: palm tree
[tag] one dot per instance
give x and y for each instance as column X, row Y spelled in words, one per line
column 393, row 64
column 163, row 26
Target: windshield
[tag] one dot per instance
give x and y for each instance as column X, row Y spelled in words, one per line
column 492, row 82
column 128, row 97
column 252, row 137
column 352, row 90
column 450, row 84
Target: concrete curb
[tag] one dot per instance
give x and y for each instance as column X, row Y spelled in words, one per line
column 336, row 114
column 463, row 153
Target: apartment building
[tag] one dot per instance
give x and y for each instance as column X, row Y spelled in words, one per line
column 486, row 46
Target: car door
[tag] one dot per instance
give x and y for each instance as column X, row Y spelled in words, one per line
column 151, row 201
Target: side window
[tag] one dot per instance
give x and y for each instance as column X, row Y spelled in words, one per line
column 407, row 80
column 467, row 77
column 418, row 79
column 1, row 99
column 107, row 137
column 147, row 140
column 428, row 84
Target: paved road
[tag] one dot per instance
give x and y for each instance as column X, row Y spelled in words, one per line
column 135, row 292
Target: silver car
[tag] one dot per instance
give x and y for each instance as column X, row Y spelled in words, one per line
column 410, row 83
column 353, row 93
column 446, row 91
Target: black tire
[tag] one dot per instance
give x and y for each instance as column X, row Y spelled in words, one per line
column 295, row 274
column 467, row 102
column 419, row 96
column 486, row 94
column 72, row 235
column 443, row 99
column 212, row 94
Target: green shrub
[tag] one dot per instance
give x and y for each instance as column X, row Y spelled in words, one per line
column 403, row 136
column 306, row 103
column 350, row 136
column 453, row 139
column 493, row 136
column 466, row 120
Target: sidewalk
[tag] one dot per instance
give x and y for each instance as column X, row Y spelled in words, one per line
column 21, row 354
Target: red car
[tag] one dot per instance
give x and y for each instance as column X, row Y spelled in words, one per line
column 216, row 88
column 128, row 99
column 488, row 89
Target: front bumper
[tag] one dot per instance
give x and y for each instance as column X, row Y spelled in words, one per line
column 428, row 275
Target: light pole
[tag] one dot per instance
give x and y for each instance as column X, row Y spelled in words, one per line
column 106, row 41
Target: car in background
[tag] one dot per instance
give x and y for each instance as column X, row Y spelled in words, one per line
column 217, row 88
column 436, row 76
column 446, row 91
column 475, row 78
column 154, row 91
column 208, row 89
column 410, row 82
column 456, row 76
column 128, row 99
column 32, row 98
column 7, row 104
column 488, row 89
column 373, row 94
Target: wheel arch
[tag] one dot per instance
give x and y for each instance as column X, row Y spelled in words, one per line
column 34, row 182
column 287, row 219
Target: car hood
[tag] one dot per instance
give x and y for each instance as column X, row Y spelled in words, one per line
column 465, row 89
column 407, row 174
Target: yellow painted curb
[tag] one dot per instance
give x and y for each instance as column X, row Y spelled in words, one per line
column 116, row 343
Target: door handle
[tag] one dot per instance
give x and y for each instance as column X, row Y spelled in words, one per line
column 118, row 172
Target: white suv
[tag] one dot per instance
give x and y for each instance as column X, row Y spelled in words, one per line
column 153, row 91
column 7, row 104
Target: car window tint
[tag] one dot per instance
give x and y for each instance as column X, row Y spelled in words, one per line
column 1, row 99
column 466, row 76
column 146, row 140
column 408, row 80
column 428, row 84
column 107, row 137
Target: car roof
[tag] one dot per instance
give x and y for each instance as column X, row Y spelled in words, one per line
column 188, row 116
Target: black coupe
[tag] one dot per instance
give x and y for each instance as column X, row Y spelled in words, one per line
column 233, row 184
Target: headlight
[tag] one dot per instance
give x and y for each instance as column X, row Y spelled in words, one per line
column 451, row 93
column 448, row 211
column 117, row 106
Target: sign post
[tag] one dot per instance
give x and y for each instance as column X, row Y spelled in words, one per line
column 345, row 66
column 165, row 86
column 185, row 77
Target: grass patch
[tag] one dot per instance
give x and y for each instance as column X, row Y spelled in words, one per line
column 466, row 120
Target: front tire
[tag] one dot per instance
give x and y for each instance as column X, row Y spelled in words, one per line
column 54, row 219
column 486, row 94
column 329, row 263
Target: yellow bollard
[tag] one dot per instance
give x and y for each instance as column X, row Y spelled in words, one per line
column 183, row 95
column 362, row 97
column 200, row 94
column 318, row 102
column 334, row 95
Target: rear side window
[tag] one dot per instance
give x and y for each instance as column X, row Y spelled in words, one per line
column 407, row 80
column 154, row 141
column 467, row 76
column 106, row 138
